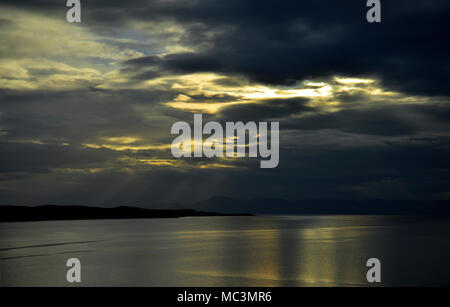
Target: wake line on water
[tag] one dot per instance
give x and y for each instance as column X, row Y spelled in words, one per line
column 47, row 245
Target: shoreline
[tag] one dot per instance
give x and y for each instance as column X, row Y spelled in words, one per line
column 10, row 213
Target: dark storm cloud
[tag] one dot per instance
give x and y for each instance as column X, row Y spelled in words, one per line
column 79, row 116
column 28, row 157
column 385, row 121
column 265, row 109
column 292, row 40
column 280, row 42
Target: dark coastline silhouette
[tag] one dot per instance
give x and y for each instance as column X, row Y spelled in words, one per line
column 228, row 207
column 54, row 212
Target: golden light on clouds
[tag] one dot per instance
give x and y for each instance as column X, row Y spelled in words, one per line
column 183, row 102
column 82, row 171
column 40, row 52
column 130, row 164
column 264, row 92
column 353, row 80
column 130, row 147
column 199, row 107
column 46, row 53
column 324, row 95
column 122, row 139
column 245, row 94
column 55, row 55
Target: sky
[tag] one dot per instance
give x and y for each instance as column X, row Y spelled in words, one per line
column 86, row 109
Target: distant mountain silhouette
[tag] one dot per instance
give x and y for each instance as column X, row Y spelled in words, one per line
column 324, row 206
column 51, row 212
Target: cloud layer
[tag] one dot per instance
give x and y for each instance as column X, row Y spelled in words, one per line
column 86, row 109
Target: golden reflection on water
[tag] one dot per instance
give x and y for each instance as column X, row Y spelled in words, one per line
column 318, row 262
column 249, row 256
column 316, row 255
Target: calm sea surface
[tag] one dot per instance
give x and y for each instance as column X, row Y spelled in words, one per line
column 228, row 251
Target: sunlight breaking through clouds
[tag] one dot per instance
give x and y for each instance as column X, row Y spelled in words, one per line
column 82, row 101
